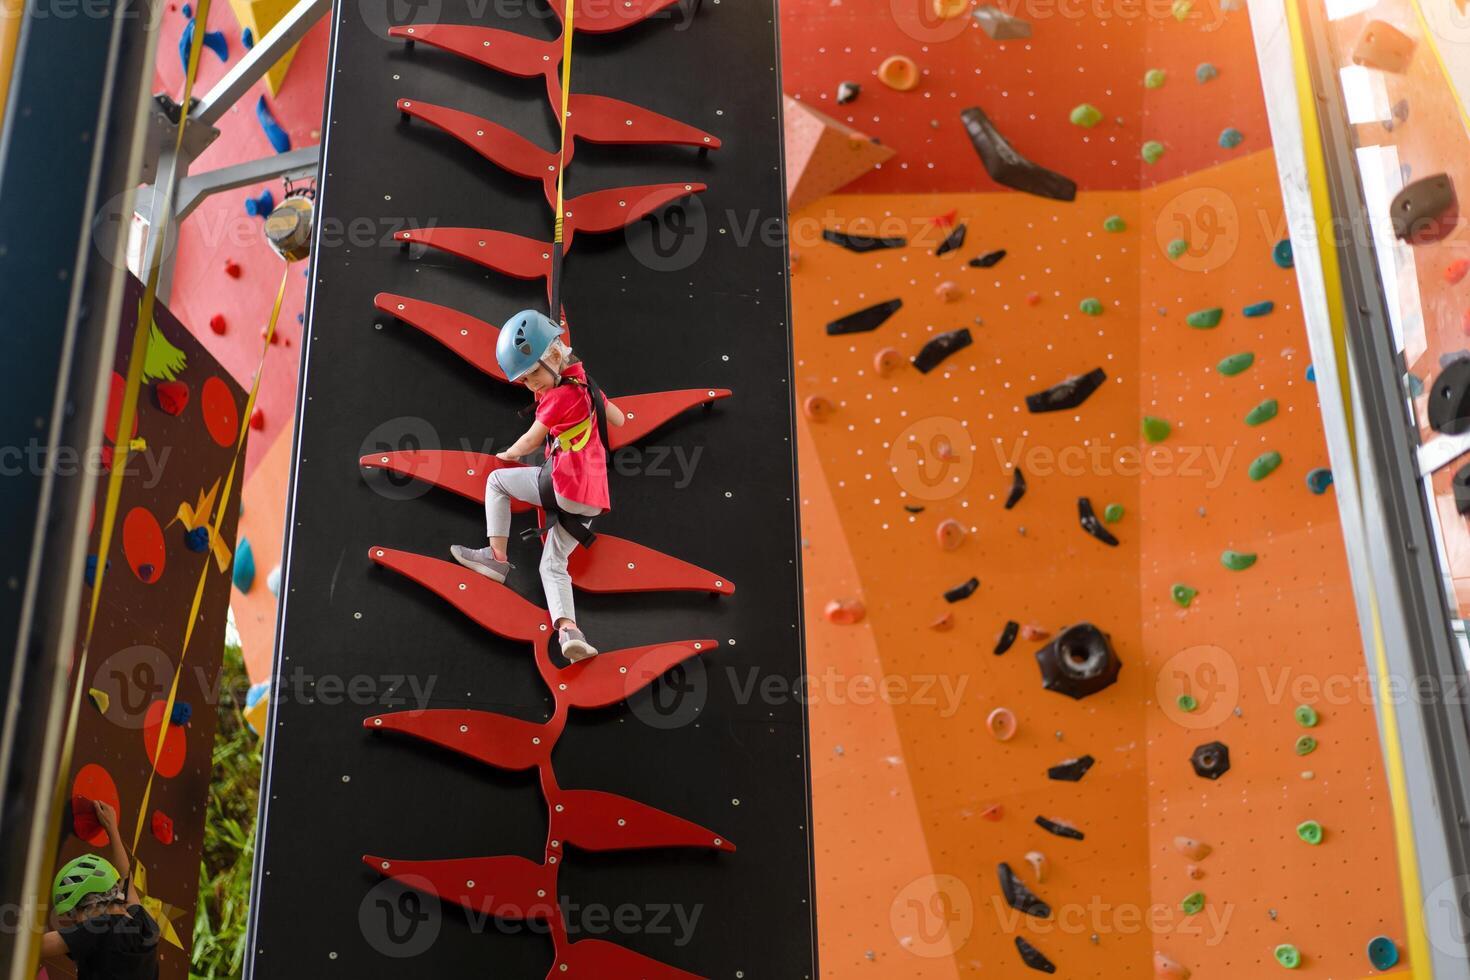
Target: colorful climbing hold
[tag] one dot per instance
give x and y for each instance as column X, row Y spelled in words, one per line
column 1072, row 770
column 1114, row 223
column 1186, row 702
column 1091, row 306
column 999, row 25
column 1181, row 9
column 1312, row 373
column 1205, row 319
column 1192, row 903
column 1281, row 253
column 1113, row 513
column 273, row 581
column 950, row 9
column 1037, row 860
column 197, row 539
column 1206, row 72
column 1383, row 953
column 1259, row 309
column 1088, row 518
column 950, row 534
column 1193, row 849
column 1264, row 412
column 181, row 713
column 899, row 73
column 948, row 291
column 261, row 205
column 1306, row 745
column 1264, row 465
column 940, row 347
column 1230, row 137
column 1169, row 969
column 1155, row 429
column 217, row 324
column 847, row 91
column 1287, row 955
column 1306, row 716
column 1008, row 167
column 845, row 612
column 1177, row 247
column 1237, row 561
column 987, row 260
column 1002, row 724
column 143, row 544
column 1007, row 638
column 1319, row 479
column 1310, row 831
column 162, row 827
column 1018, row 488
column 818, row 408
column 1086, row 115
column 1152, row 151
column 962, row 591
column 1456, row 271
column 865, row 320
column 1182, row 595
column 101, row 700
column 232, row 269
column 887, row 360
column 244, row 572
column 1235, row 363
column 1154, row 78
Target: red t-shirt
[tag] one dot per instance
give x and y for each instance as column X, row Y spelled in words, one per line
column 576, row 474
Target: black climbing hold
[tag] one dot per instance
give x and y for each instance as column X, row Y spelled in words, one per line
column 1060, row 829
column 1007, row 636
column 1018, row 488
column 988, row 259
column 955, row 240
column 1008, row 167
column 1033, row 957
column 1425, row 211
column 1067, row 394
column 913, row 508
column 1079, row 662
column 1091, row 524
column 847, row 91
column 962, row 591
column 865, row 320
column 1211, row 760
column 1018, row 896
column 861, row 243
column 1449, row 399
column 943, row 345
column 1461, row 485
column 1072, row 770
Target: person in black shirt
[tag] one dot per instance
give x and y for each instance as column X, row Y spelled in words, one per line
column 104, row 928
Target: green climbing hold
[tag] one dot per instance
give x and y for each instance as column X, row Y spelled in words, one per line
column 1237, row 561
column 1186, row 702
column 1206, row 72
column 1264, row 465
column 1230, row 137
column 1306, row 745
column 1205, row 319
column 1281, row 253
column 1086, row 115
column 1259, row 309
column 1182, row 595
column 1091, row 306
column 1235, row 363
column 1306, row 716
column 1288, row 956
column 1264, row 412
column 1383, row 953
column 1114, row 223
column 1153, row 78
column 1181, row 9
column 1155, row 429
column 1113, row 513
column 1152, row 151
column 1192, row 903
column 1177, row 248
column 1310, row 831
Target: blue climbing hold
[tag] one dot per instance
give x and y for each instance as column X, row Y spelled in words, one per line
column 182, row 712
column 1415, row 386
column 213, row 40
column 1259, row 309
column 247, row 38
column 259, row 207
column 244, row 575
column 91, row 573
column 1312, row 373
column 1383, row 953
column 1230, row 137
column 197, row 539
column 1206, row 72
column 273, row 131
column 1281, row 254
column 1319, row 479
column 188, row 11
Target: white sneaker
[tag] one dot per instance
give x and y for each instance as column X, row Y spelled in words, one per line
column 482, row 560
column 574, row 645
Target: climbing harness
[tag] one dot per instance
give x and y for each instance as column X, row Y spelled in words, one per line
column 573, row 440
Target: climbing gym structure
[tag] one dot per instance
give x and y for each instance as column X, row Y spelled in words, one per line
column 1038, row 530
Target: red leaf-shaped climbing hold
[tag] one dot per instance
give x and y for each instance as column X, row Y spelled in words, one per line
column 450, row 469
column 599, row 119
column 488, row 603
column 507, row 887
column 600, row 17
column 498, row 50
column 612, row 564
column 598, row 821
column 649, row 411
column 617, row 675
column 501, row 251
column 470, row 337
column 596, row 959
column 496, row 740
column 505, row 148
column 617, row 207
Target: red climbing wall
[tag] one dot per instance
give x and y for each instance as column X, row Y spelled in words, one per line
column 174, row 492
column 1258, row 642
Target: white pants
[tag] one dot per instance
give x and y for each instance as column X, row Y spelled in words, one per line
column 520, row 483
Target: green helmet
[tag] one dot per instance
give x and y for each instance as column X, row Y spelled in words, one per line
column 90, row 874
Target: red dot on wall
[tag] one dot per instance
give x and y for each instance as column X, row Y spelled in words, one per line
column 171, row 758
column 143, row 544
column 114, row 408
column 92, row 783
column 221, row 417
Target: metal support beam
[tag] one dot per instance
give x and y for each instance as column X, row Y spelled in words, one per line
column 259, row 59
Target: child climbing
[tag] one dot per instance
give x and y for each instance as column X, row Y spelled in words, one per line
column 103, row 926
column 570, row 487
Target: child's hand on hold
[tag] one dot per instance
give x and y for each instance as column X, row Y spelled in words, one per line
column 106, row 816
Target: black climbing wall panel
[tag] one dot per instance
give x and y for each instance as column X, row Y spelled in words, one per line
column 695, row 297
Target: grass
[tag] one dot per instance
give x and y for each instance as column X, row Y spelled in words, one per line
column 229, row 834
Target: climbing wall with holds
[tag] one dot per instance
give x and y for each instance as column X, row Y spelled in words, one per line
column 448, row 789
column 143, row 753
column 1132, row 349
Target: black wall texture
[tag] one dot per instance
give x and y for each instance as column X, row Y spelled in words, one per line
column 696, row 298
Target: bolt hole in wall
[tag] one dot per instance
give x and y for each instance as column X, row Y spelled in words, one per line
column 950, row 286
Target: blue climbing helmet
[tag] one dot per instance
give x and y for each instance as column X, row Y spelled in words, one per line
column 524, row 341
